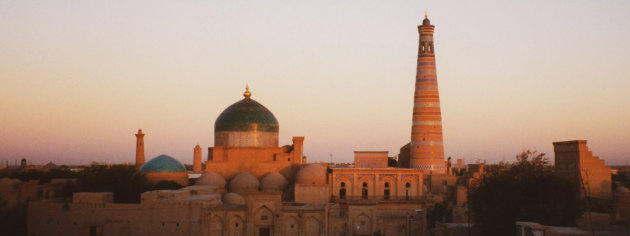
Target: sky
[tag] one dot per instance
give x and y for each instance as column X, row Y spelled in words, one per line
column 78, row 78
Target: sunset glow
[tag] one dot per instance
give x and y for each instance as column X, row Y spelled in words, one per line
column 78, row 79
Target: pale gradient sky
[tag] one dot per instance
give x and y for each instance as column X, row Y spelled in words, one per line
column 78, row 78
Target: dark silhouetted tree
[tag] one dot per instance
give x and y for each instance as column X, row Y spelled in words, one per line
column 167, row 185
column 124, row 181
column 437, row 213
column 391, row 162
column 526, row 190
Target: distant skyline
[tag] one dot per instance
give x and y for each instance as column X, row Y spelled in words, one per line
column 77, row 79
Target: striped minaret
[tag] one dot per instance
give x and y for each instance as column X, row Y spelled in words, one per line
column 427, row 152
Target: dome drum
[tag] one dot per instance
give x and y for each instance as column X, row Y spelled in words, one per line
column 246, row 139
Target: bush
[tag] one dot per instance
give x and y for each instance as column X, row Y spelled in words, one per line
column 523, row 191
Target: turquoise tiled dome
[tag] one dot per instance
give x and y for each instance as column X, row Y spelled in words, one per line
column 163, row 163
column 242, row 115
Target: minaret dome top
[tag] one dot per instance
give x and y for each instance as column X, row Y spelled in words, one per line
column 426, row 20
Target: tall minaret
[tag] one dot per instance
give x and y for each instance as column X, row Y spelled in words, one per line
column 139, row 149
column 427, row 152
column 197, row 159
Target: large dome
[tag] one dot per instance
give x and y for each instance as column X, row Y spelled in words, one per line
column 246, row 123
column 163, row 163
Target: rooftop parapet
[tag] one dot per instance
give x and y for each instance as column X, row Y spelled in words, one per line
column 98, row 198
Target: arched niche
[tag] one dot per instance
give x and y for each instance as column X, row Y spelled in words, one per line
column 263, row 216
column 236, row 226
column 362, row 225
column 312, row 226
column 291, row 226
column 216, row 225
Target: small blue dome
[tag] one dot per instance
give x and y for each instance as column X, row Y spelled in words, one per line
column 163, row 163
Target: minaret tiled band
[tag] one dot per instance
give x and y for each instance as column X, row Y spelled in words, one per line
column 427, row 152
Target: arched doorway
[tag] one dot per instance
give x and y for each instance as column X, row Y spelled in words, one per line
column 263, row 221
column 342, row 190
column 236, row 227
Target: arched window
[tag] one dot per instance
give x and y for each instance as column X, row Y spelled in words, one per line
column 342, row 191
column 407, row 187
column 364, row 191
column 386, row 191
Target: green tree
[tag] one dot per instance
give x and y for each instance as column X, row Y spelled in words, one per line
column 526, row 190
column 123, row 180
column 437, row 213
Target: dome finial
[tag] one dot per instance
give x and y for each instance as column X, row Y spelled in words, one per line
column 426, row 21
column 247, row 93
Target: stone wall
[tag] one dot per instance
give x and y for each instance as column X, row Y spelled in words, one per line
column 370, row 159
column 309, row 193
column 575, row 162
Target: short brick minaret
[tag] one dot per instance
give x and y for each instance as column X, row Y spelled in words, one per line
column 427, row 152
column 197, row 159
column 139, row 149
